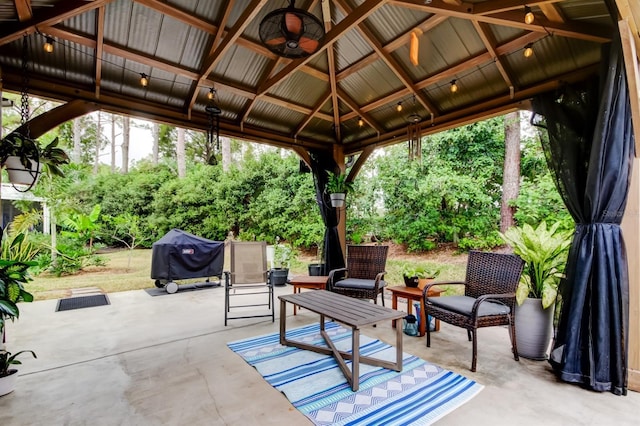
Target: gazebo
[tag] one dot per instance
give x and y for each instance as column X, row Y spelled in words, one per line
column 330, row 79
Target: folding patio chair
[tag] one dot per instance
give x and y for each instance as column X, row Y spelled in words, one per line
column 248, row 277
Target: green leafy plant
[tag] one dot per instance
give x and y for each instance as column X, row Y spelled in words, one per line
column 337, row 183
column 411, row 270
column 283, row 254
column 14, row 273
column 7, row 360
column 28, row 150
column 544, row 251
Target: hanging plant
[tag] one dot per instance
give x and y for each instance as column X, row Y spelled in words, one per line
column 338, row 187
column 24, row 159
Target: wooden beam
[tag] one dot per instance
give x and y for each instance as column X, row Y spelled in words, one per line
column 49, row 17
column 489, row 41
column 395, row 67
column 314, row 111
column 214, row 58
column 333, row 85
column 23, row 9
column 46, row 121
column 359, row 14
column 496, row 6
column 356, row 108
column 552, row 12
column 513, row 19
column 633, row 78
column 99, row 48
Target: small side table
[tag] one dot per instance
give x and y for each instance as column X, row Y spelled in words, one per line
column 414, row 294
column 312, row 282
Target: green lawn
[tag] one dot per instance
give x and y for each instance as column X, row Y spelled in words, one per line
column 122, row 273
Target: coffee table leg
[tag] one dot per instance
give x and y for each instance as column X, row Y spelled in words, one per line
column 399, row 348
column 283, row 322
column 394, row 306
column 355, row 362
column 296, row 289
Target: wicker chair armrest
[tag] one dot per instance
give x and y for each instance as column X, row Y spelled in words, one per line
column 495, row 298
column 426, row 288
column 379, row 277
column 333, row 272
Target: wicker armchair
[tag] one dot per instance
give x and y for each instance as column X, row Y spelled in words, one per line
column 489, row 298
column 363, row 277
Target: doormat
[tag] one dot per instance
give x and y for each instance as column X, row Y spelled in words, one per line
column 82, row 302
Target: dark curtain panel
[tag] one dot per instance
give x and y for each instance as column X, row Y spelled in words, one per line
column 589, row 147
column 321, row 163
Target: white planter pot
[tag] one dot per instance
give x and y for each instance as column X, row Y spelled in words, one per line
column 337, row 199
column 19, row 175
column 534, row 329
column 8, row 383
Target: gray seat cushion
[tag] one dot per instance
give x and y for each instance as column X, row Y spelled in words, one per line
column 357, row 283
column 464, row 304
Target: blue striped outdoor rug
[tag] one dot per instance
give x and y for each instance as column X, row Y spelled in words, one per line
column 418, row 395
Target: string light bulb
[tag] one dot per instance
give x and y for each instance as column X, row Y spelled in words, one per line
column 399, row 107
column 48, row 44
column 144, row 80
column 528, row 50
column 211, row 94
column 529, row 17
column 454, row 86
column 360, row 122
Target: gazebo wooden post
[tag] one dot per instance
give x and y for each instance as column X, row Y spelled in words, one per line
column 338, row 156
column 631, row 220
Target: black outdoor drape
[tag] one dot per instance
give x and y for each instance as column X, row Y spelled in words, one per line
column 589, row 146
column 321, row 163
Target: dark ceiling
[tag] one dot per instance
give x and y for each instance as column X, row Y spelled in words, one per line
column 362, row 69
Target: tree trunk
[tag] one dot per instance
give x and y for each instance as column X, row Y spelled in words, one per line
column 226, row 152
column 96, row 162
column 156, row 143
column 180, row 154
column 511, row 175
column 126, row 133
column 77, row 147
column 113, row 143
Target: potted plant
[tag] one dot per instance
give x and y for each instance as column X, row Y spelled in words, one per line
column 544, row 251
column 317, row 269
column 24, row 159
column 283, row 254
column 14, row 266
column 338, row 187
column 414, row 275
column 8, row 376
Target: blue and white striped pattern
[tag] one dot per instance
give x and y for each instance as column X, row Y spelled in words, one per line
column 419, row 395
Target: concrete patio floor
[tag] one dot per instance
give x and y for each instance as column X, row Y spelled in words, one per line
column 163, row 360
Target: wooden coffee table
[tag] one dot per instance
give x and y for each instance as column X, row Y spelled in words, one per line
column 352, row 312
column 414, row 294
column 312, row 282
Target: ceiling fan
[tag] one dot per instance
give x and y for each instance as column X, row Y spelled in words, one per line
column 291, row 32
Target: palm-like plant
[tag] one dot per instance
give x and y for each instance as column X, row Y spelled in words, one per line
column 338, row 183
column 544, row 251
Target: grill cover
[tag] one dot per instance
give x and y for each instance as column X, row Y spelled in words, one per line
column 181, row 255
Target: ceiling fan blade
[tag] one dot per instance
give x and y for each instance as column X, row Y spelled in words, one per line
column 293, row 23
column 309, row 45
column 276, row 41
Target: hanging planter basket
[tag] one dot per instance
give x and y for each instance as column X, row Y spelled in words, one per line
column 21, row 175
column 337, row 199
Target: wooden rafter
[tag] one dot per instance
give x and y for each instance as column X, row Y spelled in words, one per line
column 359, row 14
column 552, row 12
column 511, row 18
column 331, row 64
column 323, row 100
column 356, row 109
column 49, row 17
column 23, row 9
column 247, row 16
column 490, row 43
column 396, row 68
column 99, row 48
column 426, row 25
